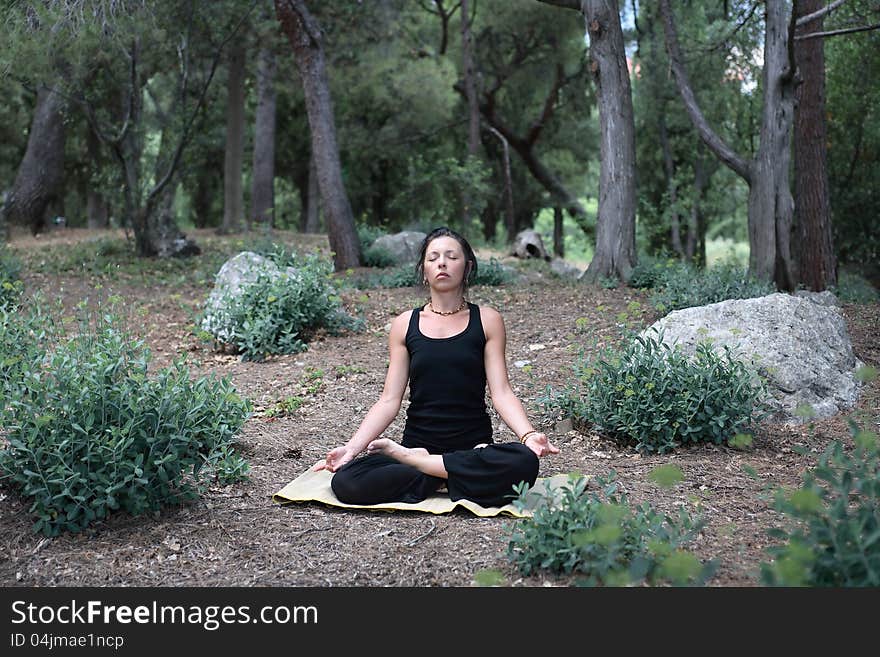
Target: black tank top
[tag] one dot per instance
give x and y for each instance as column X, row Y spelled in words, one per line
column 447, row 388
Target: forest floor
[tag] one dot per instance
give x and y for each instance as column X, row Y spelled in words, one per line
column 237, row 536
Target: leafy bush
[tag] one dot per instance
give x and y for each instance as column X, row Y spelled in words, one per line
column 605, row 539
column 650, row 271
column 373, row 256
column 10, row 285
column 24, row 333
column 852, row 288
column 833, row 529
column 654, row 396
column 89, row 432
column 278, row 314
column 684, row 286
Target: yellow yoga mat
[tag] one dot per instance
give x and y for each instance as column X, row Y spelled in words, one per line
column 315, row 487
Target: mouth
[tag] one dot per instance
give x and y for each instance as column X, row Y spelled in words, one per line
column 441, row 275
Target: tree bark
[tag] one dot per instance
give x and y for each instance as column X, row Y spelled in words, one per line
column 615, row 253
column 558, row 234
column 233, row 194
column 770, row 205
column 470, row 92
column 305, row 38
column 97, row 211
column 313, row 213
column 263, row 176
column 40, row 175
column 817, row 262
column 470, row 80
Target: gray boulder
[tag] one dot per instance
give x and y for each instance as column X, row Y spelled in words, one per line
column 799, row 344
column 528, row 244
column 404, row 246
column 237, row 272
column 564, row 269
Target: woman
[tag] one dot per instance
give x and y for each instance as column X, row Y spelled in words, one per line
column 448, row 350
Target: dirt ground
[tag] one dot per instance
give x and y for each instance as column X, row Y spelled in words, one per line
column 237, row 536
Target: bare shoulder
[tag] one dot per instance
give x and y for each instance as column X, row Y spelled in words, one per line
column 493, row 322
column 399, row 325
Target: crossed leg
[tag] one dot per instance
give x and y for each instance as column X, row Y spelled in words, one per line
column 417, row 457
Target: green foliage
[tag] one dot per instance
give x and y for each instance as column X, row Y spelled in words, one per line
column 24, row 332
column 280, row 313
column 853, row 97
column 651, row 395
column 852, row 288
column 10, row 285
column 90, row 432
column 650, row 271
column 602, row 537
column 114, row 258
column 432, row 192
column 684, row 286
column 833, row 520
column 373, row 256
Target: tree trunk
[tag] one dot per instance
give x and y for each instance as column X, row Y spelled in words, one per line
column 671, row 187
column 313, row 217
column 817, row 262
column 470, row 80
column 97, row 212
column 695, row 247
column 40, row 174
column 470, row 92
column 615, row 253
column 233, row 194
column 770, row 206
column 305, row 38
column 558, row 234
column 263, row 176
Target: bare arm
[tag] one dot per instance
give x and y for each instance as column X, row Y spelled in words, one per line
column 504, row 400
column 383, row 412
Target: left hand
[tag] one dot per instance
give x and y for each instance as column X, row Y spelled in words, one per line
column 541, row 445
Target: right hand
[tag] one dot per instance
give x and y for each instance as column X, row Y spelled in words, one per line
column 334, row 460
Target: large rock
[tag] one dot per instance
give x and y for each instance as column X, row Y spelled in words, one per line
column 565, row 269
column 528, row 244
column 404, row 246
column 237, row 272
column 799, row 344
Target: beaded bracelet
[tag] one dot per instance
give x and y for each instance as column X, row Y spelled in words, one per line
column 526, row 435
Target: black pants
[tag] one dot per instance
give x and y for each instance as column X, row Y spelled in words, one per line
column 485, row 475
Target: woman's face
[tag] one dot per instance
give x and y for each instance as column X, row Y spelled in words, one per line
column 445, row 264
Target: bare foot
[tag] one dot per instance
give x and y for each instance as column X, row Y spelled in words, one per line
column 394, row 449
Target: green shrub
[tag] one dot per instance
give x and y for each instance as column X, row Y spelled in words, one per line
column 650, row 271
column 24, row 333
column 373, row 256
column 684, row 286
column 651, row 395
column 852, row 288
column 833, row 530
column 10, row 285
column 603, row 538
column 89, row 432
column 279, row 314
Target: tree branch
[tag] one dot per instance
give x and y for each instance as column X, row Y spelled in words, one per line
column 187, row 131
column 849, row 30
column 565, row 4
column 827, row 9
column 709, row 136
